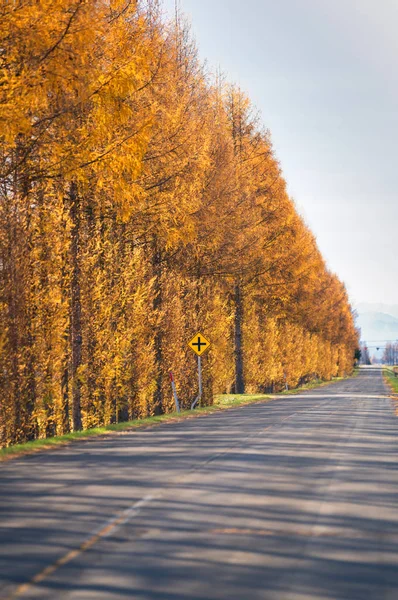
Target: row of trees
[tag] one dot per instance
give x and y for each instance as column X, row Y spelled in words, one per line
column 390, row 354
column 364, row 354
column 140, row 202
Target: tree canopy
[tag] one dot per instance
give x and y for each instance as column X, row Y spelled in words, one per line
column 140, row 202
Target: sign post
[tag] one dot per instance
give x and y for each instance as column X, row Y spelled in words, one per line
column 173, row 387
column 200, row 375
column 199, row 344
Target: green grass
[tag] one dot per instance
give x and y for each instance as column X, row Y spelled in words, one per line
column 391, row 378
column 356, row 372
column 231, row 400
column 392, row 381
column 311, row 385
column 221, row 402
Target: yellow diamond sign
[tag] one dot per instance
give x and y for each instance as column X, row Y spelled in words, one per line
column 199, row 344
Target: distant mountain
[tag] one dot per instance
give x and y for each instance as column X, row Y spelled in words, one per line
column 367, row 307
column 377, row 328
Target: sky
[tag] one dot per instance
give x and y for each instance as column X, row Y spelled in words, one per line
column 324, row 77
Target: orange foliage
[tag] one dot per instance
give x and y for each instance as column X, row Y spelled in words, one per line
column 141, row 202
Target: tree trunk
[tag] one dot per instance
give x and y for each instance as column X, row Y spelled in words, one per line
column 238, row 305
column 13, row 294
column 65, row 377
column 75, row 310
column 157, row 305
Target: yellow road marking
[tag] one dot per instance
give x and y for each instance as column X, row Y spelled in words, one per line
column 103, row 533
column 107, row 529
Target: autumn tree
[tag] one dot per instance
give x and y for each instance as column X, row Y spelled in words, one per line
column 141, row 201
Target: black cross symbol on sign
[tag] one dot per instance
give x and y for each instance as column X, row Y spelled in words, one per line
column 199, row 344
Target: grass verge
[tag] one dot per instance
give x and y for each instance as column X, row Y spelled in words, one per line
column 312, row 384
column 392, row 381
column 221, row 402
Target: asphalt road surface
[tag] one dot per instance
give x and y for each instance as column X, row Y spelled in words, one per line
column 292, row 499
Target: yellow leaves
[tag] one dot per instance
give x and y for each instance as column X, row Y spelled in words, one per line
column 70, row 80
column 3, row 339
column 177, row 197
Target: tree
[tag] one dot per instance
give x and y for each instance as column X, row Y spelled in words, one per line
column 140, row 202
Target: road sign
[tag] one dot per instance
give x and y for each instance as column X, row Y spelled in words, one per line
column 199, row 344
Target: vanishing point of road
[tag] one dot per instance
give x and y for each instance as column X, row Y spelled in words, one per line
column 294, row 499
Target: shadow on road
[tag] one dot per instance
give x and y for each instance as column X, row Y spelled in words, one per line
column 245, row 505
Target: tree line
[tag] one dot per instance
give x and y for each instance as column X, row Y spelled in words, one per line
column 141, row 202
column 390, row 354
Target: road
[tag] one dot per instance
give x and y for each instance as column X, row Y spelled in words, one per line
column 295, row 499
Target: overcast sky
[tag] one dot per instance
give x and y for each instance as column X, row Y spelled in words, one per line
column 324, row 75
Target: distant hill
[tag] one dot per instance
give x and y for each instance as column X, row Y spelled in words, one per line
column 388, row 309
column 376, row 329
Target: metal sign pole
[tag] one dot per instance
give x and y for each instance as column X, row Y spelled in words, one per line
column 200, row 378
column 199, row 344
column 286, row 384
column 173, row 387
